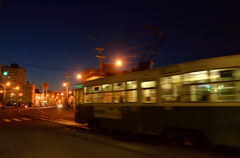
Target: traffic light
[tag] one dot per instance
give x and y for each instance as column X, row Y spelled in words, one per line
column 4, row 71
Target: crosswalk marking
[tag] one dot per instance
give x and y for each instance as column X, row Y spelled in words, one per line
column 7, row 120
column 26, row 119
column 15, row 119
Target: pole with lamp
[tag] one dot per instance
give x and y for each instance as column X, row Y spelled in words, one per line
column 17, row 88
column 4, row 92
column 67, row 84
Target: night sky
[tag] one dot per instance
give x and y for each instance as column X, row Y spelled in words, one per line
column 51, row 37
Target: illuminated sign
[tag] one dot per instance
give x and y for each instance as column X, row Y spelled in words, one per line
column 79, row 86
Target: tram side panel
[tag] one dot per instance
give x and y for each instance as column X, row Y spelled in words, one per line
column 112, row 117
column 220, row 125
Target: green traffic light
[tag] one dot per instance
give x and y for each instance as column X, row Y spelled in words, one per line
column 5, row 73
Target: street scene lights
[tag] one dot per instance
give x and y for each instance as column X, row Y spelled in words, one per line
column 67, row 91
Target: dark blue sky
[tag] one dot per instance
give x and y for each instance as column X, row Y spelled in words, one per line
column 51, row 37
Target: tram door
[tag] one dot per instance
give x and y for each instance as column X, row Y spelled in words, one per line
column 79, row 107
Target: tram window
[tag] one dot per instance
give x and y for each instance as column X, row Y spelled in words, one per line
column 96, row 88
column 132, row 85
column 107, row 97
column 229, row 74
column 97, row 97
column 171, row 88
column 80, row 96
column 149, row 96
column 119, row 97
column 225, row 92
column 107, row 87
column 119, row 86
column 197, row 93
column 195, row 77
column 132, row 96
column 148, row 84
column 87, row 98
column 87, row 90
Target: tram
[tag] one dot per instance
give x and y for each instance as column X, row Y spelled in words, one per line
column 198, row 100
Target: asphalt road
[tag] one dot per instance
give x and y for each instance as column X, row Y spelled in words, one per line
column 23, row 136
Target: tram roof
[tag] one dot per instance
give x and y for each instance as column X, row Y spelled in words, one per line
column 197, row 65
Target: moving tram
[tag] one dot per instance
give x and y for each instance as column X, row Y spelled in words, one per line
column 198, row 100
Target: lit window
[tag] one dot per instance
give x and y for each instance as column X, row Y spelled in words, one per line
column 171, row 88
column 148, row 84
column 225, row 92
column 149, row 96
column 97, row 98
column 132, row 85
column 119, row 86
column 132, row 96
column 87, row 90
column 197, row 93
column 87, row 98
column 229, row 74
column 107, row 97
column 96, row 88
column 119, row 97
column 107, row 87
column 195, row 77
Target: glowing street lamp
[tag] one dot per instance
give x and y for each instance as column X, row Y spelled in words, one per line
column 79, row 76
column 8, row 83
column 119, row 63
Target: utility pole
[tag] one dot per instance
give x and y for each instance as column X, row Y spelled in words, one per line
column 67, row 76
column 100, row 59
column 151, row 62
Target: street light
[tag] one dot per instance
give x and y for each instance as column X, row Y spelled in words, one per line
column 17, row 88
column 4, row 91
column 66, row 85
column 119, row 63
